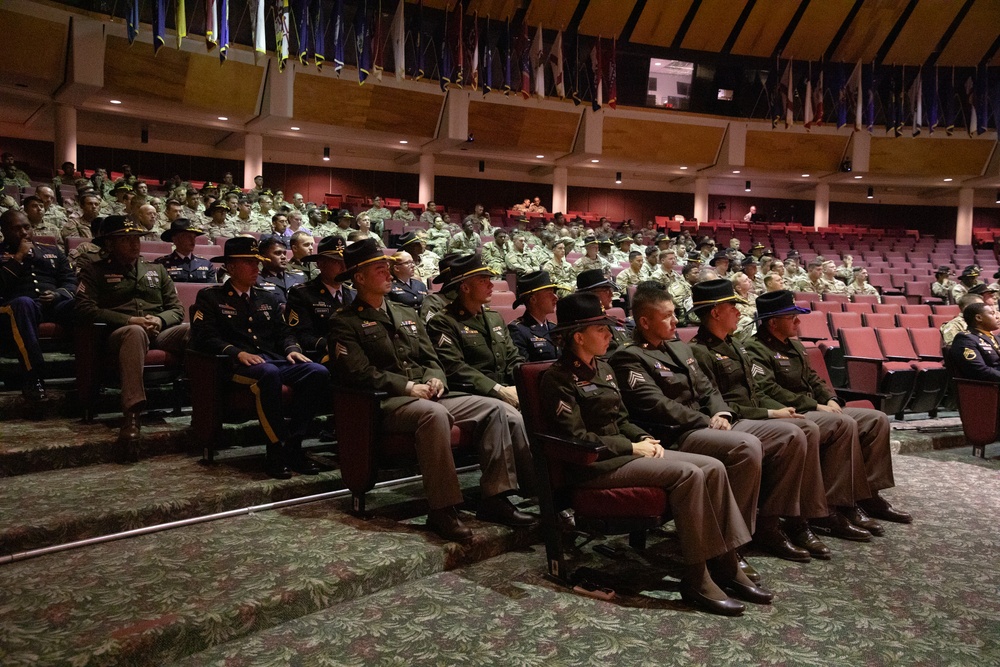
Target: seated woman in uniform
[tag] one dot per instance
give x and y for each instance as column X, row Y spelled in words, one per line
column 406, row 289
column 580, row 394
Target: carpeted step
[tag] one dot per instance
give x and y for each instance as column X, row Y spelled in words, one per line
column 161, row 597
column 60, row 506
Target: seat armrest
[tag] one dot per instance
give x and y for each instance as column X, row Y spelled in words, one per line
column 848, row 395
column 863, row 373
column 357, row 414
column 576, row 452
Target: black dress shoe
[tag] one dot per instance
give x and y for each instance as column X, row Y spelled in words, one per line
column 880, row 508
column 275, row 465
column 748, row 570
column 446, row 524
column 130, row 437
column 747, row 592
column 860, row 518
column 837, row 525
column 33, row 390
column 727, row 607
column 777, row 544
column 498, row 509
column 802, row 536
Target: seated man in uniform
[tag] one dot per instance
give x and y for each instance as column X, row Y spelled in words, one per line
column 301, row 244
column 975, row 353
column 532, row 331
column 36, row 285
column 275, row 276
column 182, row 264
column 381, row 345
column 854, row 442
column 312, row 304
column 137, row 299
column 245, row 323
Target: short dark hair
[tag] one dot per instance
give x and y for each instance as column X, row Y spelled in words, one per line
column 267, row 242
column 970, row 312
column 635, row 253
column 647, row 294
column 814, row 264
column 968, row 299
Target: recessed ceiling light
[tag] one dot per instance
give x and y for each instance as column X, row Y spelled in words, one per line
column 858, row 178
column 223, row 118
column 595, row 161
column 295, row 129
column 539, row 156
column 116, row 101
column 658, row 64
column 805, row 175
column 736, row 171
column 403, row 141
column 948, row 180
column 683, row 168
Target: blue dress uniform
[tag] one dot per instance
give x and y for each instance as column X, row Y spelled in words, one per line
column 409, row 294
column 278, row 283
column 226, row 323
column 532, row 338
column 191, row 269
column 45, row 269
column 310, row 308
column 975, row 355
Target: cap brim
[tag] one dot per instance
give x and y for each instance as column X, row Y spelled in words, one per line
column 169, row 234
column 475, row 272
column 715, row 302
column 222, row 259
column 791, row 310
column 603, row 283
column 522, row 298
column 346, row 275
column 581, row 324
column 134, row 232
column 320, row 255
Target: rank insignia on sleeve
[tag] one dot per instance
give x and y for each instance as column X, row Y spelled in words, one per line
column 756, row 370
column 969, row 354
column 634, row 378
column 293, row 319
column 340, row 350
column 562, row 407
column 197, row 316
column 444, row 340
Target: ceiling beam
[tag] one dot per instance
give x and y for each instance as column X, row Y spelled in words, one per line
column 894, row 33
column 632, row 21
column 949, row 33
column 686, row 24
column 738, row 27
column 790, row 29
column 844, row 27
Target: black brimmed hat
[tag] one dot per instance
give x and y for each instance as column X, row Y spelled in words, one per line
column 119, row 225
column 750, row 260
column 217, row 204
column 777, row 303
column 705, row 241
column 121, row 187
column 409, row 238
column 240, row 247
column 360, row 254
column 331, row 247
column 591, row 279
column 718, row 256
column 579, row 310
column 982, row 288
column 181, row 225
column 713, row 292
column 344, row 214
column 465, row 267
column 444, row 267
column 590, row 239
column 971, row 271
column 947, row 270
column 529, row 283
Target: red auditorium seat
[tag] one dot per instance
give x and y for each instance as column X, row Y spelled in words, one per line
column 938, row 320
column 913, row 321
column 932, row 378
column 859, row 308
column 840, row 321
column 500, row 286
column 949, row 309
column 927, row 343
column 597, row 512
column 828, row 306
column 865, row 298
column 919, row 291
column 853, row 399
column 890, row 308
column 499, row 299
column 917, row 309
column 841, row 298
column 878, row 320
column 868, row 370
column 979, row 411
column 895, row 298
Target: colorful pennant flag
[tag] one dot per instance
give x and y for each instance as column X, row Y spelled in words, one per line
column 318, row 33
column 487, row 61
column 855, row 87
column 362, row 43
column 211, row 24
column 339, row 36
column 870, row 101
column 613, row 75
column 507, row 54
column 418, row 44
column 842, row 95
column 397, row 32
column 258, row 23
column 378, row 44
column 788, row 97
column 472, row 53
column 180, row 21
column 133, row 21
column 807, row 116
column 949, row 98
column 573, row 63
column 597, row 68
column 538, row 63
column 931, row 99
column 444, row 64
column 917, row 102
column 223, row 30
column 301, row 12
column 556, row 65
column 281, row 32
column 818, row 100
column 458, row 52
column 159, row 24
column 525, row 62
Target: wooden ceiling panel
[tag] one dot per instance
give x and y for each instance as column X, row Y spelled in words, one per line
column 496, row 10
column 764, row 27
column 712, row 24
column 659, row 22
column 974, row 36
column 555, row 14
column 872, row 24
column 233, row 86
column 323, row 99
column 606, row 18
column 816, row 29
column 792, row 151
column 922, row 32
column 404, row 111
column 929, row 157
column 659, row 142
column 522, row 128
column 23, row 61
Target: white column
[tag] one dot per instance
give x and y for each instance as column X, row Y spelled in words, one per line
column 560, row 183
column 253, row 159
column 65, row 139
column 963, row 227
column 701, row 199
column 426, row 187
column 821, row 216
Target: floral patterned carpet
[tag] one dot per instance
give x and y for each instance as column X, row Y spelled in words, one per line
column 311, row 585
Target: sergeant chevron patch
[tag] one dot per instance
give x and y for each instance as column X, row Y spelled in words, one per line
column 444, row 340
column 563, row 407
column 340, row 350
column 756, row 369
column 634, row 378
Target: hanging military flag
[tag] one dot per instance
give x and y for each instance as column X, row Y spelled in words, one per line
column 133, row 21
column 890, row 116
column 950, row 101
column 300, row 10
column 455, row 36
column 538, row 63
column 378, row 43
column 524, row 49
column 223, row 30
column 556, row 65
column 573, row 64
column 211, row 24
column 487, row 61
column 807, row 101
column 507, row 54
column 281, row 32
column 180, row 21
column 901, row 102
column 982, row 99
column 613, row 75
column 856, row 87
column 870, row 100
column 397, row 32
column 931, row 99
column 917, row 102
column 788, row 98
column 159, row 24
column 817, row 100
column 362, row 42
column 318, row 33
column 780, row 93
column 995, row 100
column 842, row 95
column 339, row 36
column 471, row 51
column 597, row 69
column 257, row 22
column 419, row 44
